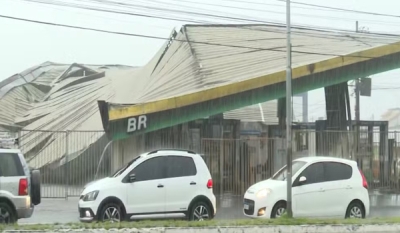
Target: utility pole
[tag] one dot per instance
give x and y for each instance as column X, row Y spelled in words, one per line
column 305, row 107
column 357, row 114
column 289, row 112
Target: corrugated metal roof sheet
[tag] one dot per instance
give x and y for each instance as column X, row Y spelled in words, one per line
column 68, row 108
column 263, row 112
column 17, row 101
column 69, row 102
column 219, row 55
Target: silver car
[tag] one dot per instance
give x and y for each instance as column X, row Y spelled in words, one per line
column 19, row 187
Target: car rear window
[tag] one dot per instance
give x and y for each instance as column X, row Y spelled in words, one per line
column 180, row 166
column 10, row 165
column 337, row 171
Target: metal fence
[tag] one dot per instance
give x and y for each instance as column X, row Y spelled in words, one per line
column 236, row 164
column 69, row 160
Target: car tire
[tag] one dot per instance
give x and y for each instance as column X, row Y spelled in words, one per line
column 35, row 187
column 278, row 210
column 111, row 213
column 7, row 214
column 200, row 212
column 355, row 210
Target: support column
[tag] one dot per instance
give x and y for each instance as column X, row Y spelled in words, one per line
column 329, row 135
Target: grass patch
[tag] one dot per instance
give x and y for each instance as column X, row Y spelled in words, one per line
column 213, row 223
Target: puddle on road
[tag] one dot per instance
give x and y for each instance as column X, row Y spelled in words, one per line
column 379, row 199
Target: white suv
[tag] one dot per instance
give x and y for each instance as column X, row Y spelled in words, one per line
column 322, row 187
column 158, row 184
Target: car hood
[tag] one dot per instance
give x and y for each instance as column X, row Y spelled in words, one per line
column 96, row 184
column 270, row 184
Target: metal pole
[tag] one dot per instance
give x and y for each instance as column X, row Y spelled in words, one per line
column 305, row 107
column 66, row 164
column 357, row 113
column 289, row 113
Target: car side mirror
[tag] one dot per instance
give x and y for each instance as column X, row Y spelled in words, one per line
column 132, row 178
column 302, row 180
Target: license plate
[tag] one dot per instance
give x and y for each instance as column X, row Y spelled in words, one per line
column 246, row 207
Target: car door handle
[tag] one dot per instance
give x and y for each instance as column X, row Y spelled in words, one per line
column 192, row 183
column 160, row 186
column 322, row 190
column 349, row 187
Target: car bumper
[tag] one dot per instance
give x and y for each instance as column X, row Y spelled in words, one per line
column 86, row 215
column 256, row 208
column 366, row 202
column 25, row 212
column 23, row 206
column 214, row 203
column 87, row 212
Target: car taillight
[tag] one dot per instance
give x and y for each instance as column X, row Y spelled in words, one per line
column 210, row 184
column 23, row 187
column 364, row 180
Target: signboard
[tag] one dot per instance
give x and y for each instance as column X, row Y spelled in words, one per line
column 365, row 87
column 136, row 123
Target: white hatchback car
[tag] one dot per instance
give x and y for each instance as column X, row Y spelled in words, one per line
column 323, row 187
column 159, row 184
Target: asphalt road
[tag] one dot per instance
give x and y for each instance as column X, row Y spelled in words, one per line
column 52, row 211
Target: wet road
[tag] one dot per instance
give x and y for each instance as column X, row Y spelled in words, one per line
column 229, row 207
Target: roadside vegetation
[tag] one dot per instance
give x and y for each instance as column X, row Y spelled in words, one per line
column 213, row 223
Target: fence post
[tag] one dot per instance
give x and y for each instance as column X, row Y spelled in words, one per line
column 66, row 164
column 19, row 139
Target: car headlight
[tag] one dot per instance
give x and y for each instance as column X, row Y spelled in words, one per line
column 263, row 193
column 91, row 196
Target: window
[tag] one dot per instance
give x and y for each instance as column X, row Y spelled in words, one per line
column 10, row 165
column 151, row 169
column 337, row 171
column 179, row 166
column 281, row 175
column 313, row 173
column 123, row 168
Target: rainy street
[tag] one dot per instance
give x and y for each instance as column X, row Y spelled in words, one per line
column 229, row 207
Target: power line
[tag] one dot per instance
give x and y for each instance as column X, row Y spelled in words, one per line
column 85, row 7
column 147, row 7
column 277, row 49
column 103, row 17
column 277, row 12
column 236, row 18
column 342, row 9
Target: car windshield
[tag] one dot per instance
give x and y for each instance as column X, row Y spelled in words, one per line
column 123, row 168
column 282, row 174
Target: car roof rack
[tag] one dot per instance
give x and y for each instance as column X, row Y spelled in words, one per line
column 155, row 151
column 9, row 143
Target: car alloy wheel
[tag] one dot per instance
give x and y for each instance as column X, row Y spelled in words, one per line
column 356, row 212
column 111, row 214
column 5, row 217
column 200, row 213
column 280, row 212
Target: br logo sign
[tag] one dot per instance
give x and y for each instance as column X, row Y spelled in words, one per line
column 137, row 123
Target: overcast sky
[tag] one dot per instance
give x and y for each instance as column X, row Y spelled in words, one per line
column 24, row 44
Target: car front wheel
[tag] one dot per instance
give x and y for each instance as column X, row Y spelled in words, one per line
column 110, row 213
column 278, row 210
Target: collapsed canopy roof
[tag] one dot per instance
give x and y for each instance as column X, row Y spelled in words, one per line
column 209, row 69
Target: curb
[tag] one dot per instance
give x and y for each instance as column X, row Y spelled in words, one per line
column 381, row 228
